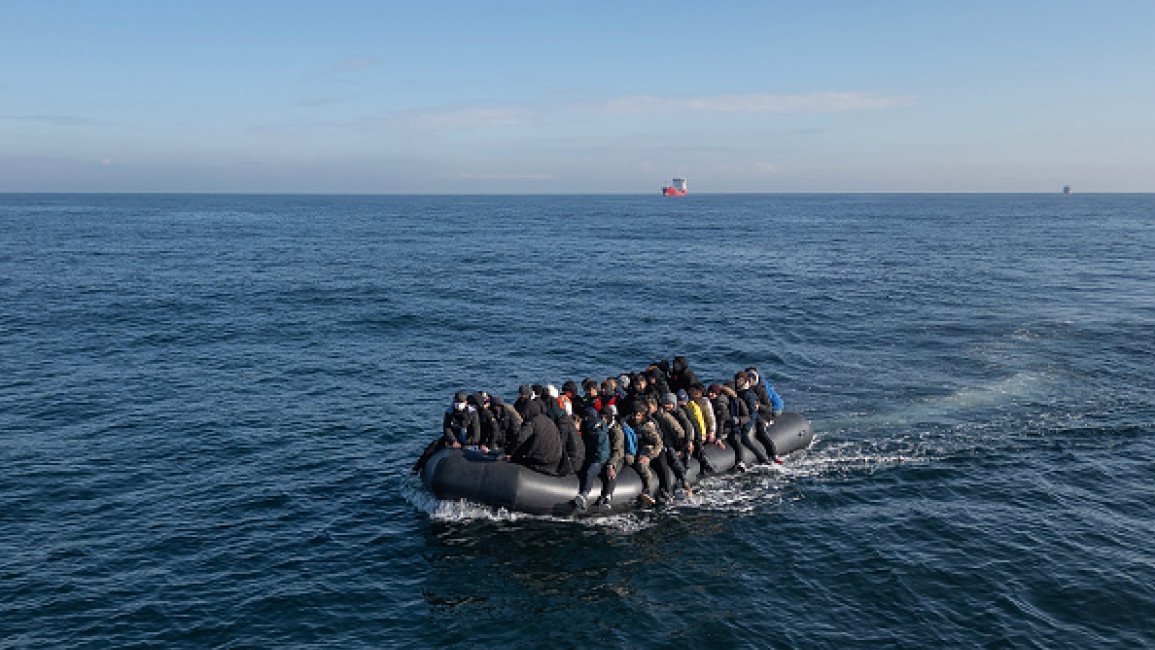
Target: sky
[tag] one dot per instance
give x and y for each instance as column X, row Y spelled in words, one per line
column 544, row 97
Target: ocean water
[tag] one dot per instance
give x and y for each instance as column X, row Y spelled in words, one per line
column 209, row 406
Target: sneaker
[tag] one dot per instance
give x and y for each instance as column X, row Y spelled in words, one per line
column 741, row 466
column 579, row 502
column 687, row 489
column 602, row 501
column 646, row 499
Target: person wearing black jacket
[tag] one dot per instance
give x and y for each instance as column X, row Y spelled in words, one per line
column 507, row 421
column 573, row 449
column 681, row 377
column 459, row 428
column 540, row 448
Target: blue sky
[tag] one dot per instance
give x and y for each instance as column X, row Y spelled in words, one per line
column 589, row 97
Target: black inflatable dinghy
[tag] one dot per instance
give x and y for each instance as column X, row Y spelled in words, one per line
column 453, row 474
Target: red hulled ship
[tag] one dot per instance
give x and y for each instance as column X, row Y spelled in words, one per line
column 676, row 188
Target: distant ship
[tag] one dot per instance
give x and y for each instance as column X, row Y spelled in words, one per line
column 677, row 188
column 1067, row 189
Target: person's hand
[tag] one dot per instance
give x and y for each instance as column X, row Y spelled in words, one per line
column 611, row 474
column 457, row 445
column 484, row 449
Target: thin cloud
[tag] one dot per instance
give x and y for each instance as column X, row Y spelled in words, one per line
column 830, row 102
column 464, row 117
column 56, row 120
column 509, row 115
column 346, row 66
column 508, row 177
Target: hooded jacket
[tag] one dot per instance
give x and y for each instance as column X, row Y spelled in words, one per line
column 462, row 427
column 681, row 377
column 540, row 448
column 508, row 423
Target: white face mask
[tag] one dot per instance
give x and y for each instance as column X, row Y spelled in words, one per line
column 459, row 406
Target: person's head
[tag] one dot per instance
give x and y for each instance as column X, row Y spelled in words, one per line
column 590, row 387
column 608, row 387
column 714, row 390
column 652, row 404
column 496, row 403
column 609, row 413
column 570, row 388
column 741, row 380
column 640, row 413
column 640, row 383
column 670, row 402
column 539, row 391
column 525, row 391
column 459, row 401
column 752, row 373
column 695, row 392
column 624, row 381
column 551, row 391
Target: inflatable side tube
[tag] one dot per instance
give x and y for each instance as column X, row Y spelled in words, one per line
column 453, row 474
column 790, row 433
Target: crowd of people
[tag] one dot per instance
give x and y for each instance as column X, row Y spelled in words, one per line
column 658, row 418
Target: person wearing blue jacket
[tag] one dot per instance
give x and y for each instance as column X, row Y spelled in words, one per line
column 595, row 431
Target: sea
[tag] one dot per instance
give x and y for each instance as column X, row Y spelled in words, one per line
column 210, row 406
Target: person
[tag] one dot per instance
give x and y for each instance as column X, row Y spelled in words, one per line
column 479, row 403
column 525, row 395
column 769, row 401
column 706, row 412
column 607, row 395
column 507, row 421
column 649, row 449
column 681, row 377
column 691, row 416
column 570, row 399
column 590, row 397
column 540, row 448
column 596, row 434
column 460, row 427
column 638, row 391
column 573, row 449
column 748, row 403
column 674, row 441
column 555, row 405
column 623, row 449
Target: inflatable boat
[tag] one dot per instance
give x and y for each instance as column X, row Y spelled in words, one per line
column 455, row 474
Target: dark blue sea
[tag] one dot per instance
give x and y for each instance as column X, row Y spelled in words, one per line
column 210, row 404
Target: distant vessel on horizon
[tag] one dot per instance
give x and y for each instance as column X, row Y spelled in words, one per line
column 676, row 188
column 1067, row 188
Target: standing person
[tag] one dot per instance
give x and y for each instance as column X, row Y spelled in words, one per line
column 596, row 434
column 649, row 449
column 573, row 449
